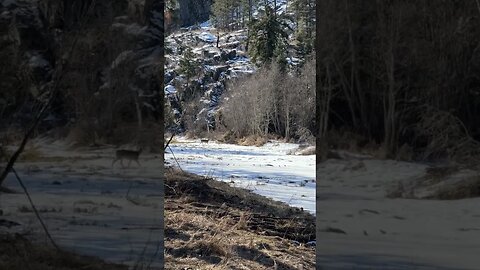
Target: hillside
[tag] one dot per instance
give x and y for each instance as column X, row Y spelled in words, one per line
column 79, row 54
column 214, row 65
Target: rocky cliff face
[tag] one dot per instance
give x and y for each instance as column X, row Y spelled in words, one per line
column 112, row 50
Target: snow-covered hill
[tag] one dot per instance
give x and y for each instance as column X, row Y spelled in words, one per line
column 216, row 65
column 220, row 55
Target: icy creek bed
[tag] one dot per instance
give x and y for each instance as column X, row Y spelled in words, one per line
column 267, row 170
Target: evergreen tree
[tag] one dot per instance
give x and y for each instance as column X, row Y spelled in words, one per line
column 305, row 40
column 223, row 11
column 304, row 12
column 281, row 57
column 233, row 12
column 268, row 37
column 188, row 66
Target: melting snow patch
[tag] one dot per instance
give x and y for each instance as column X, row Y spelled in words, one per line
column 37, row 60
column 170, row 89
column 207, row 37
column 206, row 25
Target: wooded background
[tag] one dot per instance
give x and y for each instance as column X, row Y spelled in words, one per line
column 404, row 75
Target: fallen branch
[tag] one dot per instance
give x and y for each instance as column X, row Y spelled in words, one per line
column 175, row 159
column 167, row 145
column 35, row 209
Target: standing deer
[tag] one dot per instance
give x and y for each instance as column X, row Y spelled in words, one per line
column 128, row 155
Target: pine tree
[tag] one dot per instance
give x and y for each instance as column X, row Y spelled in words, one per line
column 268, row 36
column 305, row 40
column 228, row 12
column 281, row 57
column 223, row 12
column 188, row 65
column 304, row 12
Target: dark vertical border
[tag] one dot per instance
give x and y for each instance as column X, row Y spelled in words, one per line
column 162, row 117
column 156, row 33
column 317, row 125
column 160, row 75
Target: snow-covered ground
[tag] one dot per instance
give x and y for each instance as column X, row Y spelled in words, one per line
column 267, row 170
column 89, row 206
column 384, row 233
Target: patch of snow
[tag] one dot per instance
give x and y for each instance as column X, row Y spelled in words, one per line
column 170, row 89
column 206, row 25
column 86, row 207
column 401, row 233
column 266, row 170
column 37, row 60
column 207, row 37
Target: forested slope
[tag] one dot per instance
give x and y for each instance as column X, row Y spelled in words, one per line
column 103, row 57
column 401, row 76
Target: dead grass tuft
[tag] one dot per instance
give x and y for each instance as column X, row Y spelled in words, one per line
column 303, row 150
column 227, row 137
column 405, row 153
column 252, row 140
column 210, row 225
column 311, row 150
column 439, row 183
column 469, row 188
column 439, row 173
column 31, row 153
column 209, row 247
column 16, row 252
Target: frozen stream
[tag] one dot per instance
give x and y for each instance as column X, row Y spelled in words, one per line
column 267, row 170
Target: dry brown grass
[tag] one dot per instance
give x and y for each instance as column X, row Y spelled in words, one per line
column 439, row 183
column 16, row 252
column 469, row 188
column 31, row 153
column 82, row 134
column 209, row 225
column 303, row 150
column 226, row 137
column 311, row 150
column 252, row 140
column 405, row 153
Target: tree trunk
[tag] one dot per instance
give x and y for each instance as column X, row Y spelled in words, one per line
column 138, row 108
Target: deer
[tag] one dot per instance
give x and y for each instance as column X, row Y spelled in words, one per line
column 128, row 155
